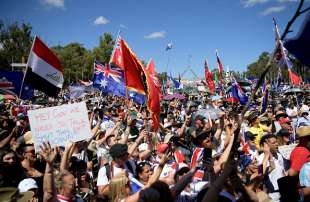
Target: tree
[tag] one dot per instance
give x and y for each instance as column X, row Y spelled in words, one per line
column 104, row 51
column 15, row 43
column 76, row 60
column 256, row 68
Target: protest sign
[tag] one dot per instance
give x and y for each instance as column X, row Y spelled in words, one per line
column 286, row 150
column 59, row 125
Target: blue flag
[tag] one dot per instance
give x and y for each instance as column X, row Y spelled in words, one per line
column 11, row 82
column 265, row 98
column 110, row 80
column 77, row 91
column 299, row 46
column 177, row 85
column 238, row 93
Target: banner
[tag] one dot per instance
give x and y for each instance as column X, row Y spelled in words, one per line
column 59, row 125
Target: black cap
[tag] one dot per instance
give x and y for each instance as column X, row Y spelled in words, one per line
column 118, row 150
column 201, row 136
column 283, row 132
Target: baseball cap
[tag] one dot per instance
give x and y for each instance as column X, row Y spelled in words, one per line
column 161, row 148
column 27, row 184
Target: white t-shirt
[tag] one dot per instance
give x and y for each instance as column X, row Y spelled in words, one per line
column 275, row 174
column 103, row 179
column 291, row 112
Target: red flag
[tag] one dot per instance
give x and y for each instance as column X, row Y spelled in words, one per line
column 281, row 56
column 154, row 93
column 209, row 80
column 295, row 80
column 220, row 66
column 124, row 58
column 44, row 70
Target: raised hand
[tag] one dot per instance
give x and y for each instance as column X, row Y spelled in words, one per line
column 48, row 153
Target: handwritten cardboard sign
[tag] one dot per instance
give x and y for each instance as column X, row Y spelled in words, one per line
column 286, row 150
column 59, row 125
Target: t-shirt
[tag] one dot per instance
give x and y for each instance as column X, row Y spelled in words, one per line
column 274, row 175
column 304, row 175
column 299, row 156
column 103, row 178
column 259, row 131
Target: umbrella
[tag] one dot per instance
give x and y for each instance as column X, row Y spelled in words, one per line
column 174, row 96
column 292, row 91
column 179, row 96
column 168, row 97
column 211, row 112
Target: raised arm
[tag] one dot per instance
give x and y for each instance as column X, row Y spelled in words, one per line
column 49, row 156
column 66, row 156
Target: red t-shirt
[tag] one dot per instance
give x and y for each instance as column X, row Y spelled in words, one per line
column 299, row 156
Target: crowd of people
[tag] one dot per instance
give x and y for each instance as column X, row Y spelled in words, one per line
column 204, row 150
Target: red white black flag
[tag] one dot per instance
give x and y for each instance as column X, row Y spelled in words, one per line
column 44, row 70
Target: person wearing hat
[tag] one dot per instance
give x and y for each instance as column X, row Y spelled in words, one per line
column 120, row 163
column 283, row 137
column 300, row 154
column 304, row 119
column 27, row 185
column 255, row 127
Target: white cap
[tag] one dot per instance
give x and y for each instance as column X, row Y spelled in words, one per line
column 143, row 147
column 27, row 184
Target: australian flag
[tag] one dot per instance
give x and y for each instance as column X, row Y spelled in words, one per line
column 110, row 80
column 238, row 93
column 11, row 83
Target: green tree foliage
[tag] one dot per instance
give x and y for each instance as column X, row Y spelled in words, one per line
column 76, row 61
column 15, row 43
column 103, row 52
column 256, row 68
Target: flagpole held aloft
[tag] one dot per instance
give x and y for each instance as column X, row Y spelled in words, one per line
column 22, row 85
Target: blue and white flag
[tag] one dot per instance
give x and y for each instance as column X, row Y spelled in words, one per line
column 77, row 91
column 237, row 92
column 177, row 85
column 11, row 82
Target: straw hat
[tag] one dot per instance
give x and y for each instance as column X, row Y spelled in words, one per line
column 303, row 131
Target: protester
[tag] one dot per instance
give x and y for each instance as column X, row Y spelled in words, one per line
column 191, row 157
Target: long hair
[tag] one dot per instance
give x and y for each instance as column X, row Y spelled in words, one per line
column 163, row 189
column 118, row 187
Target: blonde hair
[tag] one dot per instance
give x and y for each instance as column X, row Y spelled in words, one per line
column 118, row 187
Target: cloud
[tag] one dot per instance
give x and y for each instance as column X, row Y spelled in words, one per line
column 251, row 3
column 156, row 35
column 101, row 21
column 123, row 26
column 275, row 9
column 54, row 3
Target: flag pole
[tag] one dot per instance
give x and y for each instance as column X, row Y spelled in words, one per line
column 25, row 72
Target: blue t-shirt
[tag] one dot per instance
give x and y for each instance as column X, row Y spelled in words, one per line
column 304, row 175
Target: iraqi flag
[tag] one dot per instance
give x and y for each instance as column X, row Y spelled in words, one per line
column 44, row 70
